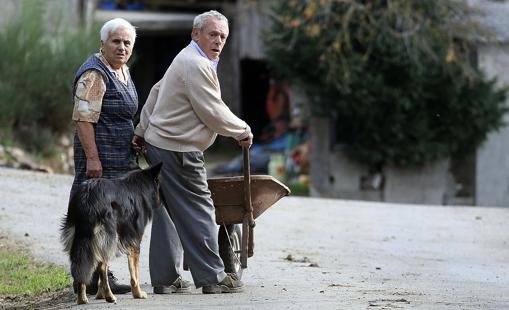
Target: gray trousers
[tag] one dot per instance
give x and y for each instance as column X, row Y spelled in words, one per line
column 186, row 223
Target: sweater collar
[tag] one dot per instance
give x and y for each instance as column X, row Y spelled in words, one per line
column 212, row 62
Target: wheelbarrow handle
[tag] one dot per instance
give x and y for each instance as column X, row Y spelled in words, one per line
column 247, row 183
column 248, row 222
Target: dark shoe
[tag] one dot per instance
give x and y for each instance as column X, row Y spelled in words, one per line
column 116, row 288
column 230, row 284
column 178, row 286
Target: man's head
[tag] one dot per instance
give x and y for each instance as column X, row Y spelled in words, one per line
column 117, row 41
column 210, row 31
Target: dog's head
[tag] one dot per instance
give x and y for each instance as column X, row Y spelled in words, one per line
column 152, row 173
column 154, row 170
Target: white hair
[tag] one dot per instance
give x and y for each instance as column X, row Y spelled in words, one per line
column 199, row 20
column 113, row 25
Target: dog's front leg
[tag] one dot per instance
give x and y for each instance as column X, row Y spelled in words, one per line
column 133, row 259
column 82, row 294
column 104, row 289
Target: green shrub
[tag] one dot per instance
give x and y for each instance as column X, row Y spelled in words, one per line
column 41, row 51
column 392, row 75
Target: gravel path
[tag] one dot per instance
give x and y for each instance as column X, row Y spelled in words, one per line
column 312, row 253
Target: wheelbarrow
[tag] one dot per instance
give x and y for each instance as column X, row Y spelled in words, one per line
column 240, row 200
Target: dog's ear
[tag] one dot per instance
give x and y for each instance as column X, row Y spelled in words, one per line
column 133, row 165
column 155, row 169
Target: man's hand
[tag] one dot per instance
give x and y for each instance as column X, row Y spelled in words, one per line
column 94, row 168
column 138, row 144
column 247, row 142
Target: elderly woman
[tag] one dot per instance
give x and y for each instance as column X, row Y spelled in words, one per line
column 105, row 103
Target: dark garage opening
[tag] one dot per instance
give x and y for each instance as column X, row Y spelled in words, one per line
column 254, row 86
column 153, row 54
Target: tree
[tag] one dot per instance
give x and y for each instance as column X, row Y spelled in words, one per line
column 395, row 76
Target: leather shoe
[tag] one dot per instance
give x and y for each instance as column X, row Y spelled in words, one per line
column 116, row 288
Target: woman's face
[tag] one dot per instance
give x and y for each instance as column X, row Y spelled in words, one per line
column 118, row 47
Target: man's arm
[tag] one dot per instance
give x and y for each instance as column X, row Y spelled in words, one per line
column 147, row 109
column 205, row 97
column 138, row 140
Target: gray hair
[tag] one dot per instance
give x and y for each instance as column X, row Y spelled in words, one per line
column 199, row 21
column 113, row 25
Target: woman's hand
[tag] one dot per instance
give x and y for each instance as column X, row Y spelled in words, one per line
column 94, row 168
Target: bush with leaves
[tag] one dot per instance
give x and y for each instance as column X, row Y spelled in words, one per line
column 394, row 76
column 40, row 53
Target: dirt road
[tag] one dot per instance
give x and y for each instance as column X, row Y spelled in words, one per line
column 312, row 253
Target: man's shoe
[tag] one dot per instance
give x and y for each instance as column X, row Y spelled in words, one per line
column 116, row 288
column 230, row 284
column 178, row 286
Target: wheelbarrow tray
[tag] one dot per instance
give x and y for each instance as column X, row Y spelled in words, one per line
column 228, row 196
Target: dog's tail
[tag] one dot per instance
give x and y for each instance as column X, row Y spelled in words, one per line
column 79, row 247
column 87, row 250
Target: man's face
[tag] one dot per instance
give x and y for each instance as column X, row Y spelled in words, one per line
column 212, row 37
column 118, row 47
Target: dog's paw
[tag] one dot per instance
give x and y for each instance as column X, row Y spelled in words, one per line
column 111, row 299
column 82, row 301
column 140, row 294
column 99, row 294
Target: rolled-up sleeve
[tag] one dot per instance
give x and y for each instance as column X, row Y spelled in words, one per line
column 88, row 97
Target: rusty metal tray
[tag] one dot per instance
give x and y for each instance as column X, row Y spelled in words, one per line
column 228, row 196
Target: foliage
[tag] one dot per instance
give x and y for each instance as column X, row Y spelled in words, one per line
column 393, row 75
column 41, row 50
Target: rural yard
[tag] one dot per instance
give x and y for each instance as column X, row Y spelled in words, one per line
column 309, row 253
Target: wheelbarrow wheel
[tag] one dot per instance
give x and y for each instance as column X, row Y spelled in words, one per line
column 229, row 250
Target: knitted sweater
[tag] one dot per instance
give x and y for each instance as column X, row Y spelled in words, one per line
column 184, row 111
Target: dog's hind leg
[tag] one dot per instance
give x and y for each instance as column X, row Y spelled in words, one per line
column 104, row 290
column 82, row 294
column 133, row 259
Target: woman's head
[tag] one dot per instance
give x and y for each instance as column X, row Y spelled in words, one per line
column 117, row 41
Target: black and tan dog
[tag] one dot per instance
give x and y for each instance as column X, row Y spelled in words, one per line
column 106, row 215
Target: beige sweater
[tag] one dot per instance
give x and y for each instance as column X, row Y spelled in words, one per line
column 184, row 111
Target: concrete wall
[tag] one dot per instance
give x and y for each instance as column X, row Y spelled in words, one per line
column 252, row 21
column 492, row 165
column 335, row 175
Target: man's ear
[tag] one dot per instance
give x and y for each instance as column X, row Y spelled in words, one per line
column 194, row 34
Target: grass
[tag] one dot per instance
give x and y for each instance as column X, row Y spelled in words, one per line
column 21, row 275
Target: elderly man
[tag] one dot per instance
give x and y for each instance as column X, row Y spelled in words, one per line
column 105, row 103
column 181, row 118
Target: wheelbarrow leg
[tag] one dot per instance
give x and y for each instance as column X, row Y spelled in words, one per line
column 250, row 251
column 245, row 238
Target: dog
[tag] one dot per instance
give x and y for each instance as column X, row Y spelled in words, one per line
column 104, row 216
